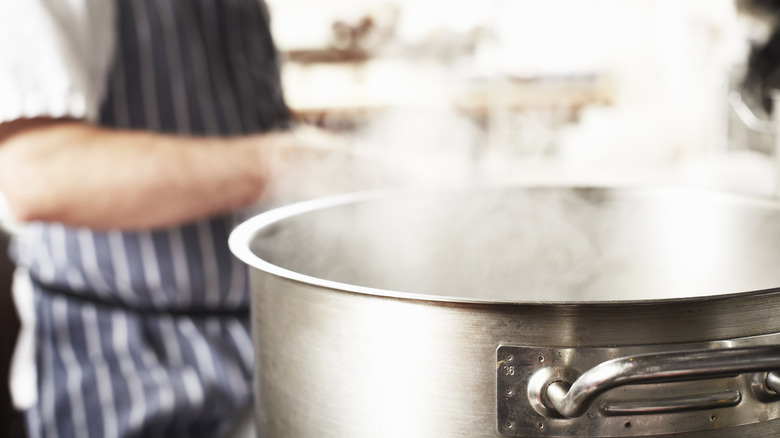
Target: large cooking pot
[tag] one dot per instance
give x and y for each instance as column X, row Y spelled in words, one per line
column 534, row 312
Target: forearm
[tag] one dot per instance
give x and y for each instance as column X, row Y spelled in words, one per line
column 83, row 175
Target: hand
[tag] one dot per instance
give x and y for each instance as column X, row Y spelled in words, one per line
column 306, row 162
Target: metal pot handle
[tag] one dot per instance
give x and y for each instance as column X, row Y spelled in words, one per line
column 573, row 399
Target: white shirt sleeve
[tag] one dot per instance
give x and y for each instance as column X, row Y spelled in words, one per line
column 55, row 57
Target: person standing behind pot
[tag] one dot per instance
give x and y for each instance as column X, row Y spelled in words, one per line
column 131, row 132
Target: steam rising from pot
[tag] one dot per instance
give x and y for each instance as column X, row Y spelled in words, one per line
column 503, row 245
column 402, row 147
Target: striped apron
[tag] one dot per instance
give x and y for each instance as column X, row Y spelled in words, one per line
column 146, row 333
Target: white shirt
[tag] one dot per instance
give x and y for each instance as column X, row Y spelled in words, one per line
column 54, row 57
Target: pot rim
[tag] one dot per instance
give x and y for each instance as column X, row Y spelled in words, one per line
column 242, row 236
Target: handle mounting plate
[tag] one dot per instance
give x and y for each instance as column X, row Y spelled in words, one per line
column 638, row 410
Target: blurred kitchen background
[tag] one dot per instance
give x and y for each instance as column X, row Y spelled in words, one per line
column 601, row 91
column 531, row 91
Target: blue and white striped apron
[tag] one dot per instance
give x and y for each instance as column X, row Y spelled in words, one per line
column 147, row 333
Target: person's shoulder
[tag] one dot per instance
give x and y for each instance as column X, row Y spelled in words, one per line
column 56, row 57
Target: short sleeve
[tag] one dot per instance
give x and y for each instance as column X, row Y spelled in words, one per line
column 54, row 57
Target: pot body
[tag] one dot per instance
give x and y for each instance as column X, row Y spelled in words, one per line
column 346, row 350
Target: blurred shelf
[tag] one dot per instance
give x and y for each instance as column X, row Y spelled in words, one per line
column 360, row 88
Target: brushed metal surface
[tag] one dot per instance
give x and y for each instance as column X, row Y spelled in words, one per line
column 367, row 330
column 336, row 364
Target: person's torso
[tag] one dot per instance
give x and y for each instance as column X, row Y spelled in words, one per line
column 195, row 67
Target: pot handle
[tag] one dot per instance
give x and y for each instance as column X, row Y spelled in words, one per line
column 573, row 399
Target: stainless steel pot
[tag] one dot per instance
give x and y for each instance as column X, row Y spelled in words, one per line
column 516, row 312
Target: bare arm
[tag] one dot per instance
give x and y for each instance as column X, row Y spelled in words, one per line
column 83, row 175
